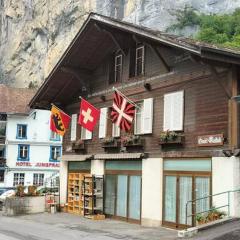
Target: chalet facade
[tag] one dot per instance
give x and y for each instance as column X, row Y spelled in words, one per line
column 185, row 139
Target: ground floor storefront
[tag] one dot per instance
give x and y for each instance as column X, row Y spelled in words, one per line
column 154, row 191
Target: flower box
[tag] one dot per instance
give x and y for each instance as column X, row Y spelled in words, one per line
column 111, row 143
column 78, row 145
column 134, row 141
column 178, row 140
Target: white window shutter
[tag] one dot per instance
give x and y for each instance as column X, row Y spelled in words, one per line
column 115, row 130
column 74, row 127
column 173, row 111
column 147, row 116
column 103, row 123
column 178, row 106
column 88, row 135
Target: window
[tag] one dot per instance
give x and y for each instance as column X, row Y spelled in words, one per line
column 144, row 117
column 21, row 131
column 115, row 130
column 3, row 121
column 23, row 152
column 38, row 179
column 1, row 175
column 54, row 136
column 173, row 111
column 85, row 134
column 18, row 179
column 138, row 119
column 139, row 67
column 118, row 68
column 55, row 153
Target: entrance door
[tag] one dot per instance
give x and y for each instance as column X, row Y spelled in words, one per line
column 178, row 190
column 123, row 197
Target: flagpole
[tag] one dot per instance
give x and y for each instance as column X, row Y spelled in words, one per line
column 115, row 89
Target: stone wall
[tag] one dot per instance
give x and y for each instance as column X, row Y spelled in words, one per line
column 35, row 33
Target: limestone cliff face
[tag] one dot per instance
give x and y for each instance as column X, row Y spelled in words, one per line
column 35, row 33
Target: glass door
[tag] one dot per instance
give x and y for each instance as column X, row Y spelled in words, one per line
column 110, row 194
column 122, row 191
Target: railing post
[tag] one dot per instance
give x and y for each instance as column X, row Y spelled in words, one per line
column 186, row 210
column 228, row 203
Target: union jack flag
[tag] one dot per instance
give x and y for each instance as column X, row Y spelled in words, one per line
column 122, row 112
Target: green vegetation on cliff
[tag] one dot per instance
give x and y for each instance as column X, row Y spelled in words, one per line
column 216, row 29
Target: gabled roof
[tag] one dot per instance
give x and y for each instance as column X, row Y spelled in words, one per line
column 92, row 43
column 15, row 100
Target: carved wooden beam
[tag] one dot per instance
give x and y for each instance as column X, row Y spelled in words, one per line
column 114, row 39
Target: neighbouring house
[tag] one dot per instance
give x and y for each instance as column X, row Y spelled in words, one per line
column 29, row 149
column 184, row 143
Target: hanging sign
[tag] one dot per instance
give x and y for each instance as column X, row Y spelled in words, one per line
column 210, row 140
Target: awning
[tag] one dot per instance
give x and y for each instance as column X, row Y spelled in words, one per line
column 75, row 157
column 119, row 156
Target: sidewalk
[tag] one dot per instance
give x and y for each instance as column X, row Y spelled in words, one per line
column 105, row 228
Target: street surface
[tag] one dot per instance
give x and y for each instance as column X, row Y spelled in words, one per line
column 64, row 226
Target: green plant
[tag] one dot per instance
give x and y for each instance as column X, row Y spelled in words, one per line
column 32, row 190
column 20, row 191
column 108, row 140
column 168, row 136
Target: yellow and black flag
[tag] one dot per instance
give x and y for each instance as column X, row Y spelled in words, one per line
column 59, row 121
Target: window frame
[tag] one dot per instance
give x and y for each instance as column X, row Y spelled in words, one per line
column 142, row 61
column 116, row 66
column 19, row 158
column 18, row 127
column 19, row 179
column 51, row 150
column 36, row 176
column 54, row 136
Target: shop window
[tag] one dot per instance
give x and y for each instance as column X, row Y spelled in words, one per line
column 55, row 153
column 21, row 131
column 23, row 152
column 54, row 136
column 18, row 179
column 38, row 179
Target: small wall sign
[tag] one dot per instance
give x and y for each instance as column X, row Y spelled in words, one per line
column 210, row 140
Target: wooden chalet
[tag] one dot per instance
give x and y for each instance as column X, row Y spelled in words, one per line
column 185, row 138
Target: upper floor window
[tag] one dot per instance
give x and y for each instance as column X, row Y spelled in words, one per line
column 144, row 117
column 139, row 63
column 54, row 136
column 55, row 153
column 85, row 134
column 21, row 131
column 38, row 179
column 173, row 111
column 18, row 179
column 23, row 152
column 118, row 68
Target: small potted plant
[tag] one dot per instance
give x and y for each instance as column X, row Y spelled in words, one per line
column 170, row 137
column 132, row 140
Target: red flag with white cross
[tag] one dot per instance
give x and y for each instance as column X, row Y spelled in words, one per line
column 89, row 115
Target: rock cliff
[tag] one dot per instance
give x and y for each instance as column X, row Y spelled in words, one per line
column 34, row 33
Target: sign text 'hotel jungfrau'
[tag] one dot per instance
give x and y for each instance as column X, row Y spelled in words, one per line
column 39, row 164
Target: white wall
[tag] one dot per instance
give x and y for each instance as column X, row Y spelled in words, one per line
column 38, row 137
column 97, row 167
column 63, row 181
column 152, row 178
column 226, row 177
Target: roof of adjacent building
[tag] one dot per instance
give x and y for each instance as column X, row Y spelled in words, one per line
column 94, row 40
column 15, row 100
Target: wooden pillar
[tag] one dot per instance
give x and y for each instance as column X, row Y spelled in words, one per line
column 233, row 112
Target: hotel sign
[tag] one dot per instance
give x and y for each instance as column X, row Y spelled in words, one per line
column 210, row 140
column 39, row 164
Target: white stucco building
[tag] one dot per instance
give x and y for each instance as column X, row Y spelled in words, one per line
column 31, row 149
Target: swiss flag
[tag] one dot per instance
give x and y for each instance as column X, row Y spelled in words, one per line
column 89, row 115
